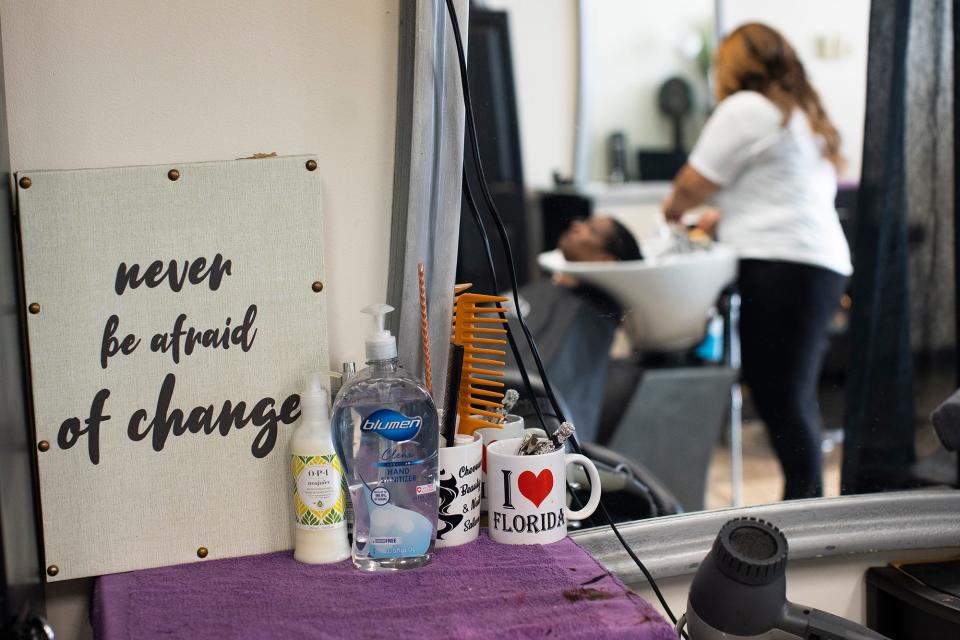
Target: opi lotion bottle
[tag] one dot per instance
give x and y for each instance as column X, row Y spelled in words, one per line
column 321, row 528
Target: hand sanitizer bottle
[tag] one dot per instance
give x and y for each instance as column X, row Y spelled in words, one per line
column 387, row 436
column 321, row 530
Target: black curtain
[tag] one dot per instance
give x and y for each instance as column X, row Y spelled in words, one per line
column 879, row 444
column 956, row 197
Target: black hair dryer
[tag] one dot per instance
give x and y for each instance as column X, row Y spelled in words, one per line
column 740, row 592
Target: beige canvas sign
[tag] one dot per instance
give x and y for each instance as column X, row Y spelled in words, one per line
column 173, row 315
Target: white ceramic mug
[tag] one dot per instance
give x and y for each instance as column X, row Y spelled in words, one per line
column 459, row 515
column 512, row 428
column 527, row 494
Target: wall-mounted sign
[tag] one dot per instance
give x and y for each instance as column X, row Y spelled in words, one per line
column 173, row 314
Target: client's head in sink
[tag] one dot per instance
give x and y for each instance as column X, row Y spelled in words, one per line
column 598, row 239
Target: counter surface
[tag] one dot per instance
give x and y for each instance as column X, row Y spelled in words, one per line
column 482, row 589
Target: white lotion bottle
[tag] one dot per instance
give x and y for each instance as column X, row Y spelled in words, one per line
column 319, row 500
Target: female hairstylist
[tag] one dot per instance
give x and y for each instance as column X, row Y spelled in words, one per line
column 768, row 156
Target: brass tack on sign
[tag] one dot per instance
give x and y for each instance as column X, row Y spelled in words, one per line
column 53, row 570
column 34, row 308
column 317, row 286
column 311, row 165
column 43, row 445
column 202, row 552
column 173, row 174
column 25, row 182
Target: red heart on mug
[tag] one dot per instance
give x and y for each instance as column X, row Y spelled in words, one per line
column 535, row 488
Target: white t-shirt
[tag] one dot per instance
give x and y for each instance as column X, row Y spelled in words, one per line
column 777, row 188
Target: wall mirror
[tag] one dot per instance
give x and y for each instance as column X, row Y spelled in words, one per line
column 586, row 112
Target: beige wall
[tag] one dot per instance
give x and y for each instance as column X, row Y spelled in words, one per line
column 543, row 39
column 631, row 50
column 831, row 40
column 128, row 82
column 634, row 45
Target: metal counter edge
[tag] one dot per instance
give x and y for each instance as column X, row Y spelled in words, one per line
column 816, row 528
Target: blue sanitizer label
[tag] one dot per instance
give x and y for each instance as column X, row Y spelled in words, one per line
column 398, row 533
column 397, row 529
column 392, row 425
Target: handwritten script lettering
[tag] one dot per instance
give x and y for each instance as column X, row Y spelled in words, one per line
column 184, row 341
column 195, row 272
column 205, row 419
column 111, row 346
column 165, row 419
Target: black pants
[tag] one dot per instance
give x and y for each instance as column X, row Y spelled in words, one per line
column 787, row 307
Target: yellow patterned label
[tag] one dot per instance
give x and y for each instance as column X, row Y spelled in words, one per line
column 318, row 492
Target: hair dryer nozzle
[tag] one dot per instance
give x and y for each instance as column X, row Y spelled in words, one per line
column 740, row 591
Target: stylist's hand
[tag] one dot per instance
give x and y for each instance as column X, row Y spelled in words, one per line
column 708, row 221
column 690, row 189
column 565, row 280
column 670, row 212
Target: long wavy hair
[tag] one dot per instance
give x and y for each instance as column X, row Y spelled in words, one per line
column 758, row 58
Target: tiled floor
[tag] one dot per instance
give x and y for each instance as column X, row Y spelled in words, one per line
column 762, row 478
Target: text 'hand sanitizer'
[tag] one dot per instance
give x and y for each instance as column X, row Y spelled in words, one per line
column 321, row 529
column 387, row 436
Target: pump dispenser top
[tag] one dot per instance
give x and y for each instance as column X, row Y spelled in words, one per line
column 381, row 344
column 314, row 400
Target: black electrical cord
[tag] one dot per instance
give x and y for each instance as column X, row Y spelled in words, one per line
column 478, row 221
column 475, row 148
column 492, row 208
column 481, row 228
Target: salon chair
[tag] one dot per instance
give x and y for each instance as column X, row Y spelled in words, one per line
column 631, row 491
column 625, row 406
column 574, row 329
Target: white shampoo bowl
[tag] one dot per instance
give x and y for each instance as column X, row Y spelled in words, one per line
column 666, row 299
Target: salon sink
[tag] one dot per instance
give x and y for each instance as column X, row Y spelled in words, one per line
column 666, row 299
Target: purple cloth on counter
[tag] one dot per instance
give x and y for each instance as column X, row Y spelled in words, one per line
column 478, row 590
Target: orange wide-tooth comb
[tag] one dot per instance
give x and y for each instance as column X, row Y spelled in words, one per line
column 478, row 328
